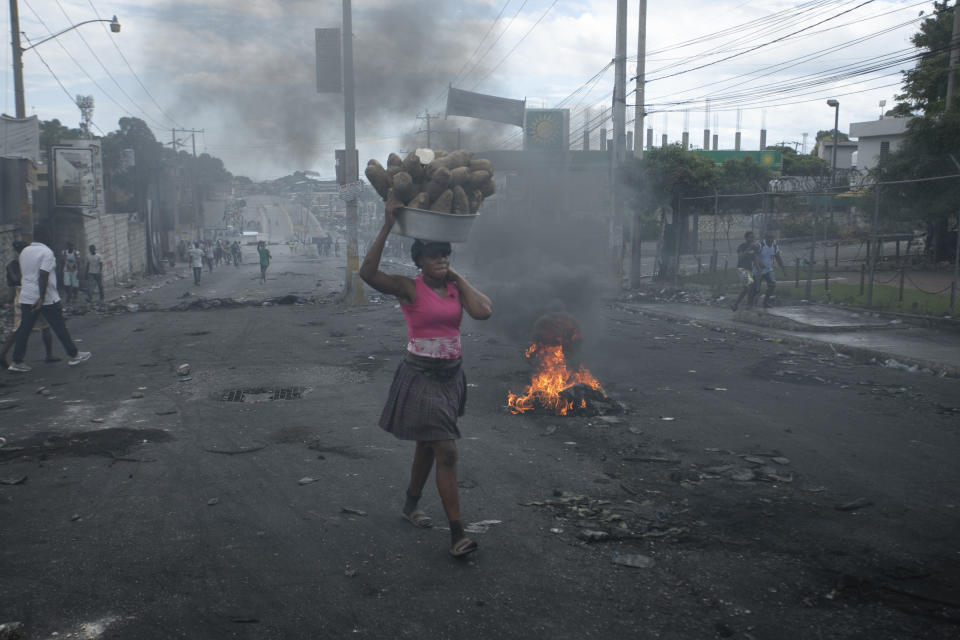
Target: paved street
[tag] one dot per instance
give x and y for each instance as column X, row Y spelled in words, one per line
column 180, row 515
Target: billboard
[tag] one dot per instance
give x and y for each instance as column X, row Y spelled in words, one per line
column 75, row 183
column 484, row 107
column 546, row 130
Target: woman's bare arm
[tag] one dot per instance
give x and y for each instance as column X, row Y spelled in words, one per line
column 392, row 285
column 476, row 304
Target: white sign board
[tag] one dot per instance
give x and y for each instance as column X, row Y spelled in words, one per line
column 351, row 190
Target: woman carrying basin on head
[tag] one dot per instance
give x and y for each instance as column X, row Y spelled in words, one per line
column 429, row 389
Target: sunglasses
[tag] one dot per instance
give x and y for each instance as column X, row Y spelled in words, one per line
column 438, row 252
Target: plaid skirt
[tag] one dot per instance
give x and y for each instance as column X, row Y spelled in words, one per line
column 425, row 399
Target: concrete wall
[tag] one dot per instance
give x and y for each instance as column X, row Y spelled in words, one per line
column 869, row 152
column 8, row 233
column 122, row 243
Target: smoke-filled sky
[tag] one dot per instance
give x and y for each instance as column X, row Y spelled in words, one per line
column 243, row 71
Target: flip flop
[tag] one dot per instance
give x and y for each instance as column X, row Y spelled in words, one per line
column 418, row 519
column 463, row 547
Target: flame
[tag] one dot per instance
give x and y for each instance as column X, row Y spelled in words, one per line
column 550, row 378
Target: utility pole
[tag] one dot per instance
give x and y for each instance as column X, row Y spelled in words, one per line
column 17, row 59
column 353, row 287
column 954, row 56
column 429, row 131
column 638, row 110
column 620, row 227
column 620, row 85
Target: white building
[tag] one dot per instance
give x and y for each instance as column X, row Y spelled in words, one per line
column 845, row 151
column 877, row 138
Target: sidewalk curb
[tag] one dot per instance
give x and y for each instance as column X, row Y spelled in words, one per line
column 862, row 354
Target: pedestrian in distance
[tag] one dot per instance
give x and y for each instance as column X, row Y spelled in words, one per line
column 13, row 282
column 93, row 273
column 39, row 297
column 71, row 272
column 746, row 268
column 217, row 252
column 767, row 254
column 235, row 252
column 208, row 254
column 429, row 389
column 196, row 257
column 336, row 247
column 264, row 259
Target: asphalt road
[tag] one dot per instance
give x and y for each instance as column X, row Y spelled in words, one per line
column 180, row 515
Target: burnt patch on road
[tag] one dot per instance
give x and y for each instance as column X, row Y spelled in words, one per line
column 111, row 443
column 262, row 394
column 343, row 452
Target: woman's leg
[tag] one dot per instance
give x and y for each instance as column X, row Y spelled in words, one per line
column 420, row 470
column 445, row 452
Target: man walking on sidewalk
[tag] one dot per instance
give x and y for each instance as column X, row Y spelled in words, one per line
column 746, row 269
column 196, row 261
column 94, row 271
column 768, row 253
column 13, row 282
column 38, row 296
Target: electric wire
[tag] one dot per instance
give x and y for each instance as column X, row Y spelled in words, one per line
column 494, row 43
column 759, row 46
column 519, row 42
column 134, row 73
column 107, row 71
column 75, row 61
column 65, row 91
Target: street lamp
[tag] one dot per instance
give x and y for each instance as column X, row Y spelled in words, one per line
column 18, row 50
column 836, row 135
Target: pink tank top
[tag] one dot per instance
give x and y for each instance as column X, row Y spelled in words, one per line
column 433, row 323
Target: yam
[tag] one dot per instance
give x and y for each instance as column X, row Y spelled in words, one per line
column 461, row 204
column 460, row 158
column 479, row 178
column 403, row 187
column 488, row 188
column 377, row 176
column 475, row 199
column 420, row 201
column 444, row 203
column 460, row 177
column 394, row 161
column 439, row 153
column 481, row 164
column 411, row 165
column 437, row 184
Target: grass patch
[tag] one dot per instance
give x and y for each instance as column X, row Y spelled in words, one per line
column 845, row 291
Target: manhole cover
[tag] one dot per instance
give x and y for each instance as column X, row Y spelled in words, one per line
column 262, row 394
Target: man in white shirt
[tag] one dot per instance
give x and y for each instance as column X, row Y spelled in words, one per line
column 38, row 296
column 94, row 273
column 196, row 261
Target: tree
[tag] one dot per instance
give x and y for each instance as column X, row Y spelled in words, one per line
column 796, row 164
column 925, row 86
column 52, row 132
column 931, row 147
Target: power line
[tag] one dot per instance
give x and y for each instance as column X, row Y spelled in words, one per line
column 126, row 62
column 494, row 43
column 759, row 46
column 69, row 55
column 73, row 100
column 502, row 60
column 107, row 71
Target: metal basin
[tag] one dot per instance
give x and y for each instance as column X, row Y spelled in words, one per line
column 430, row 225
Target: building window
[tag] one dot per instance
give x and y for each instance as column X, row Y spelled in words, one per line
column 884, row 147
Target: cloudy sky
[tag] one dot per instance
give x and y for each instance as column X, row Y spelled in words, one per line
column 243, row 71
